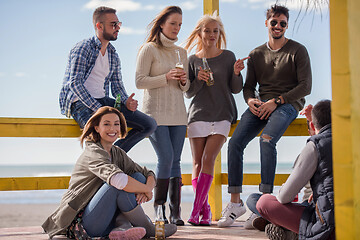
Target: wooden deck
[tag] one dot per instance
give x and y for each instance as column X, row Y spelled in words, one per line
column 236, row 231
column 23, row 223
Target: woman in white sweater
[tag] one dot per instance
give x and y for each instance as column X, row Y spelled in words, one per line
column 163, row 86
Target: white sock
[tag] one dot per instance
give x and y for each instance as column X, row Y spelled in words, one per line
column 237, row 204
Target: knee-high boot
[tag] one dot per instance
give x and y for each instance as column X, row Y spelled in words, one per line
column 202, row 190
column 160, row 195
column 175, row 199
column 138, row 218
column 205, row 211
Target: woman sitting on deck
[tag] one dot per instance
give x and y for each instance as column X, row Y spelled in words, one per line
column 106, row 187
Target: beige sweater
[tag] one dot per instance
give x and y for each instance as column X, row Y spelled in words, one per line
column 163, row 100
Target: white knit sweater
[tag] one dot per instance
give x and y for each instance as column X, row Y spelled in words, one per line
column 163, row 100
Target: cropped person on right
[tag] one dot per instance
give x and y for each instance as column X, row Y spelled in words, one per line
column 212, row 109
column 315, row 221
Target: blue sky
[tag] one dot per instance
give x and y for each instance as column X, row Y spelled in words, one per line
column 37, row 35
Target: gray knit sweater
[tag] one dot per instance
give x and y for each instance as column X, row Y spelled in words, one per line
column 214, row 103
column 286, row 72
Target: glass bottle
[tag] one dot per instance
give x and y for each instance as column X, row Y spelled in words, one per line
column 179, row 64
column 207, row 69
column 159, row 224
column 118, row 102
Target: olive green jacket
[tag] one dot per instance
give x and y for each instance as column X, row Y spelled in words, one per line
column 91, row 170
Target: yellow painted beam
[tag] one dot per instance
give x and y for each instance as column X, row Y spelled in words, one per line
column 215, row 193
column 62, row 182
column 34, row 183
column 297, row 128
column 61, row 127
column 210, row 6
column 345, row 33
column 38, row 127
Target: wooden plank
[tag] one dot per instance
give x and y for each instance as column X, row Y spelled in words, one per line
column 62, row 182
column 61, row 127
column 34, row 183
column 39, row 127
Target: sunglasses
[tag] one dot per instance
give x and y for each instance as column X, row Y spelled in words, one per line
column 115, row 24
column 273, row 23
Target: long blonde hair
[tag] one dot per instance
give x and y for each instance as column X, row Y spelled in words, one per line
column 154, row 26
column 195, row 40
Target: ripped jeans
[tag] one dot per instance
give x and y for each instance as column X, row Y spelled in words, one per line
column 247, row 129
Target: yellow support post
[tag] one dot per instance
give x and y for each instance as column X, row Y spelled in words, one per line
column 210, row 6
column 215, row 193
column 345, row 52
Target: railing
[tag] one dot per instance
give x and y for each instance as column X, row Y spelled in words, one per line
column 64, row 128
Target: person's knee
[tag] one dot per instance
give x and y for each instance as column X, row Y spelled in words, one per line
column 234, row 143
column 150, row 127
column 139, row 177
column 265, row 138
column 253, row 199
column 262, row 203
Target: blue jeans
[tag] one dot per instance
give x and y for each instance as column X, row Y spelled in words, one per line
column 248, row 128
column 100, row 213
column 142, row 125
column 168, row 142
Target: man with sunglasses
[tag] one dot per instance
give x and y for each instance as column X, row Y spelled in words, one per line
column 281, row 69
column 94, row 66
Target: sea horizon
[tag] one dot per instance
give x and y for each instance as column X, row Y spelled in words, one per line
column 54, row 196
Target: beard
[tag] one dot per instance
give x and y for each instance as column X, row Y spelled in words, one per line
column 277, row 37
column 274, row 36
column 109, row 36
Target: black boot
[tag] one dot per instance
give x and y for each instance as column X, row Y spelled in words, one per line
column 175, row 199
column 160, row 195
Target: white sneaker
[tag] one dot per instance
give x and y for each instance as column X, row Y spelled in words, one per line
column 248, row 222
column 230, row 214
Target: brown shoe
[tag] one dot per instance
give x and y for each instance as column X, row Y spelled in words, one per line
column 260, row 223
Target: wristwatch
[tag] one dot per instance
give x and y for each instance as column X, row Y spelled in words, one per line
column 277, row 101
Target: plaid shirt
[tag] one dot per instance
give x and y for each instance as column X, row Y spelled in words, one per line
column 80, row 64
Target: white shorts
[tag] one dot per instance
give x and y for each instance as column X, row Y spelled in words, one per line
column 204, row 129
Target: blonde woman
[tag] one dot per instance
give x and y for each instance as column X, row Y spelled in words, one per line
column 163, row 86
column 212, row 109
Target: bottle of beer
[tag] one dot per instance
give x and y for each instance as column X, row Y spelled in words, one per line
column 207, row 69
column 179, row 64
column 159, row 224
column 118, row 102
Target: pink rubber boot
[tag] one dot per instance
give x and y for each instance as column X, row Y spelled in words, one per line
column 205, row 211
column 202, row 190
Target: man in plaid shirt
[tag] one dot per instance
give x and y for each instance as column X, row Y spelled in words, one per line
column 92, row 67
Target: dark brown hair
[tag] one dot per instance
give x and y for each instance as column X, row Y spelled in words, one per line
column 154, row 26
column 277, row 10
column 89, row 133
column 321, row 114
column 100, row 12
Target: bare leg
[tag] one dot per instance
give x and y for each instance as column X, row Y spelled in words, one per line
column 212, row 148
column 197, row 149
